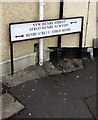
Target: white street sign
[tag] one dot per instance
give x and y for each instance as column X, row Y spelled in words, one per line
column 41, row 29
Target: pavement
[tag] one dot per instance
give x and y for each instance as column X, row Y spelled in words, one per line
column 10, row 105
column 64, row 88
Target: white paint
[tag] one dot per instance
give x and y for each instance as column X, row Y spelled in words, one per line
column 32, row 30
column 41, row 17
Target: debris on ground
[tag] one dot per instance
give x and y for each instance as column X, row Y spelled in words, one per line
column 35, row 72
column 70, row 65
column 30, row 114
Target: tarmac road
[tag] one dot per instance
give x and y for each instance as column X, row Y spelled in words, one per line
column 59, row 96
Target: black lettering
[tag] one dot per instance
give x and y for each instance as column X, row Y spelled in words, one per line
column 47, row 23
column 34, row 34
column 68, row 29
column 49, row 27
column 35, row 28
column 43, row 28
column 27, row 35
column 36, row 24
column 43, row 23
column 55, row 31
column 41, row 33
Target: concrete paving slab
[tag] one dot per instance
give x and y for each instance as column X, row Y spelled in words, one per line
column 30, row 73
column 36, row 72
column 10, row 105
column 40, row 71
column 78, row 64
column 67, row 65
column 70, row 65
column 55, row 62
column 92, row 106
column 51, row 69
column 20, row 77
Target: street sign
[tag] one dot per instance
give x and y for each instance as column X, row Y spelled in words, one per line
column 46, row 28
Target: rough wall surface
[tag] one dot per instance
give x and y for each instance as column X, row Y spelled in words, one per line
column 17, row 12
column 1, row 32
column 91, row 29
column 74, row 9
column 21, row 12
column 51, row 11
column 29, row 11
column 97, row 19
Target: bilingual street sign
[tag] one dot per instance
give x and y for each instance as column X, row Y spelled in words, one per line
column 41, row 29
column 46, row 28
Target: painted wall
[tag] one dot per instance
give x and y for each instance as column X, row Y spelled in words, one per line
column 97, row 19
column 51, row 11
column 0, row 40
column 91, row 29
column 72, row 9
column 88, row 11
column 17, row 12
column 1, row 33
column 21, row 12
column 28, row 11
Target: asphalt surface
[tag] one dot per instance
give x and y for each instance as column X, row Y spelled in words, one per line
column 91, row 103
column 58, row 96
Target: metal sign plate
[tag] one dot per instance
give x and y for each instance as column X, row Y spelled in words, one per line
column 46, row 28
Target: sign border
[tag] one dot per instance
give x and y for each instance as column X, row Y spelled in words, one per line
column 43, row 21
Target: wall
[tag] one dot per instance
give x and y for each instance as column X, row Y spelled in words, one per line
column 1, row 32
column 25, row 11
column 1, row 39
column 72, row 9
column 91, row 29
column 17, row 12
column 51, row 11
column 97, row 19
column 28, row 11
